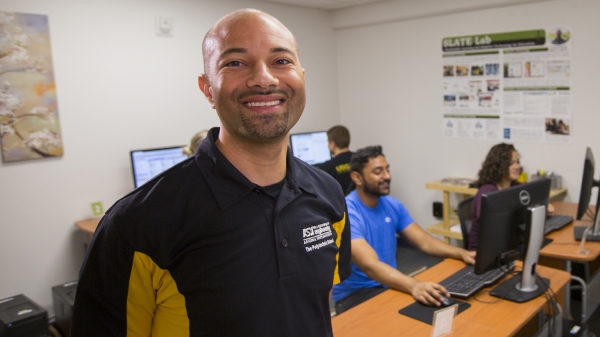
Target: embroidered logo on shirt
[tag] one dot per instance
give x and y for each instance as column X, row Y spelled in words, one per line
column 343, row 168
column 317, row 233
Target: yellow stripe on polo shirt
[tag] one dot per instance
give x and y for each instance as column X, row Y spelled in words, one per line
column 154, row 305
column 339, row 229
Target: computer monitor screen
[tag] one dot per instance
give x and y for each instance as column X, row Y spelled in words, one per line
column 150, row 162
column 587, row 184
column 310, row 147
column 503, row 222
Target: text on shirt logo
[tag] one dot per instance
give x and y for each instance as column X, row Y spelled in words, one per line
column 317, row 233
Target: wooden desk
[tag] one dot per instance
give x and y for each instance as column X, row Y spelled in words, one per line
column 379, row 316
column 564, row 245
column 561, row 252
column 443, row 228
column 89, row 226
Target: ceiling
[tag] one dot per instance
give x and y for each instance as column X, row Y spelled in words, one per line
column 324, row 4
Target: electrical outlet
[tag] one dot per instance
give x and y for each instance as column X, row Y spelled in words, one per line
column 438, row 210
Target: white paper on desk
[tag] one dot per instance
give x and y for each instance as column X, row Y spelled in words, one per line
column 442, row 320
column 456, row 228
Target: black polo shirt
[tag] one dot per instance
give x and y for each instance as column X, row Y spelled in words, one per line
column 202, row 251
column 339, row 168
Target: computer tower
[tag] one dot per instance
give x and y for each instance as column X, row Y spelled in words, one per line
column 21, row 317
column 63, row 297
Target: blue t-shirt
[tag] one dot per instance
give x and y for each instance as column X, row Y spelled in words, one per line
column 378, row 226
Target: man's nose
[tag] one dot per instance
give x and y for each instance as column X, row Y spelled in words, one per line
column 262, row 76
column 387, row 175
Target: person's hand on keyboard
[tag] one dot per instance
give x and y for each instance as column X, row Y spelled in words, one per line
column 550, row 208
column 429, row 293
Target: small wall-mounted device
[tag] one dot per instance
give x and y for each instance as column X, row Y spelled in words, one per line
column 164, row 26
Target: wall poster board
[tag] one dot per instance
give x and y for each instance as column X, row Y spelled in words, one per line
column 29, row 118
column 513, row 86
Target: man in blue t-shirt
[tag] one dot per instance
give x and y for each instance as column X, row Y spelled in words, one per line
column 375, row 219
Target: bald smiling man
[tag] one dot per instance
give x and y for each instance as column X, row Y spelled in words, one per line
column 241, row 239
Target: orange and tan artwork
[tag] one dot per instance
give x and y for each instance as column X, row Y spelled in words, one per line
column 29, row 120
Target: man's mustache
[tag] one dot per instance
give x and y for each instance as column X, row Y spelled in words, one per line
column 250, row 93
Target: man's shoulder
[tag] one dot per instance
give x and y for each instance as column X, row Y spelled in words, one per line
column 326, row 166
column 341, row 158
column 316, row 179
column 164, row 193
column 309, row 172
column 390, row 200
column 353, row 199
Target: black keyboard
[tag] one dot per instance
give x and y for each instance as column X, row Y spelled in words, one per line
column 555, row 222
column 464, row 283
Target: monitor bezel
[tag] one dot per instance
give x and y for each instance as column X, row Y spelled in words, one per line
column 587, row 185
column 291, row 146
column 135, row 185
column 499, row 207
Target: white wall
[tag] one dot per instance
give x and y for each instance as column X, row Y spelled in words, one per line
column 120, row 88
column 390, row 91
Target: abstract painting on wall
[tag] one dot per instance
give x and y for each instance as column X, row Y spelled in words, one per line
column 29, row 119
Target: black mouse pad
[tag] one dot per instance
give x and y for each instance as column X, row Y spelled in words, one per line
column 424, row 313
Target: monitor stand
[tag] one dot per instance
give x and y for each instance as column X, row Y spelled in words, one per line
column 526, row 286
column 592, row 235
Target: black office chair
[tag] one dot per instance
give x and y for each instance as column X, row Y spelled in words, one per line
column 465, row 216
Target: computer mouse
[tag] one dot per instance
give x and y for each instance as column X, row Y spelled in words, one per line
column 447, row 302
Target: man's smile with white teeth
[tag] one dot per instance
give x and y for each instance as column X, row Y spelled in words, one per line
column 271, row 103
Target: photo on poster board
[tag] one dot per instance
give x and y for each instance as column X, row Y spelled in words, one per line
column 29, row 118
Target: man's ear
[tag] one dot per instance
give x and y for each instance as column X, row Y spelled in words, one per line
column 206, row 88
column 356, row 178
column 331, row 145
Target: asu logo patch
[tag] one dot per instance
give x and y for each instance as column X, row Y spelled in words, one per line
column 311, row 236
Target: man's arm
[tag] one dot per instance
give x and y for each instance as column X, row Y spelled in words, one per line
column 367, row 260
column 432, row 246
column 114, row 296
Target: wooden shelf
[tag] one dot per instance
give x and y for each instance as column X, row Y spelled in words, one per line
column 443, row 228
column 439, row 229
column 465, row 189
column 462, row 189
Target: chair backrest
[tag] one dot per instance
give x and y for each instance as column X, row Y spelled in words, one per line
column 465, row 216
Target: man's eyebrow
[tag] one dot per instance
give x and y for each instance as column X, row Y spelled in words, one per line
column 239, row 50
column 282, row 50
column 234, row 50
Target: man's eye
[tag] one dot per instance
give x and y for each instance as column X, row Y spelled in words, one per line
column 282, row 62
column 233, row 64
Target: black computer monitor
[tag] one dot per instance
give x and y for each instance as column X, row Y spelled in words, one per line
column 587, row 185
column 511, row 225
column 311, row 147
column 148, row 163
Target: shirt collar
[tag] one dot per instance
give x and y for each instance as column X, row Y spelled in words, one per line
column 229, row 185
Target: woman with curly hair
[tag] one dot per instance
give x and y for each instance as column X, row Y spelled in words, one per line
column 500, row 170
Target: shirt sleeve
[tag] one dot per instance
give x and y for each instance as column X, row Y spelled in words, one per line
column 103, row 295
column 357, row 222
column 344, row 258
column 404, row 218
